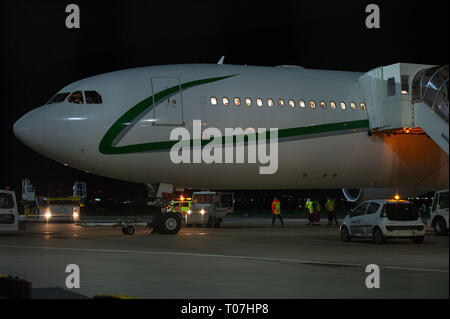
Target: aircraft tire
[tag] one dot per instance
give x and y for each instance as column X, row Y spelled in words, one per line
column 169, row 224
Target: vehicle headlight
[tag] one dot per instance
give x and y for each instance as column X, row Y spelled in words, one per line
column 48, row 215
column 75, row 215
column 202, row 212
column 189, row 212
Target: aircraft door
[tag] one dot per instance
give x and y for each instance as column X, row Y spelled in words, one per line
column 167, row 101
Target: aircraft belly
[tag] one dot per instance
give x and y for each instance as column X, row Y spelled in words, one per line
column 352, row 160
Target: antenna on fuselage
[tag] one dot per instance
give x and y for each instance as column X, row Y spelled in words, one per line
column 221, row 60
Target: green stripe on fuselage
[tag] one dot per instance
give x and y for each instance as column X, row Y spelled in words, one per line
column 122, row 123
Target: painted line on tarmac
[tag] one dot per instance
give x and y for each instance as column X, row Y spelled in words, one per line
column 297, row 261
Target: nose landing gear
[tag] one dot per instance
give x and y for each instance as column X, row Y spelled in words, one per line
column 166, row 223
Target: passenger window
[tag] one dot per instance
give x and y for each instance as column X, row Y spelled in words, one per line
column 248, row 101
column 237, row 101
column 323, row 104
column 353, row 106
column 213, row 101
column 59, row 98
column 405, row 84
column 373, row 208
column 281, row 102
column 259, row 102
column 76, row 97
column 363, row 106
column 333, row 105
column 391, row 87
column 360, row 210
column 291, row 103
column 225, row 101
column 92, row 97
column 312, row 104
column 302, row 104
column 270, row 102
column 343, row 105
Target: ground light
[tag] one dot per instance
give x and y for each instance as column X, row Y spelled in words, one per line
column 48, row 215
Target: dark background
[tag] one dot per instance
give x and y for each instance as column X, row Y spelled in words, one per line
column 39, row 55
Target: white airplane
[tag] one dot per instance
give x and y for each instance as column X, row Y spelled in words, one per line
column 362, row 132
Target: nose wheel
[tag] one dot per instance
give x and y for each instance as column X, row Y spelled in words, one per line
column 167, row 223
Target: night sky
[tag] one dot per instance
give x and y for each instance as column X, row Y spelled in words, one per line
column 39, row 55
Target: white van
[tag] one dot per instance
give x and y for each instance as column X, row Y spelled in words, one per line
column 9, row 215
column 209, row 208
column 383, row 219
column 439, row 213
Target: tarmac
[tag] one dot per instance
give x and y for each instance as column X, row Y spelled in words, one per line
column 245, row 258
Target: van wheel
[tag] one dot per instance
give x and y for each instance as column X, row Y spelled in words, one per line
column 128, row 230
column 418, row 239
column 378, row 237
column 345, row 235
column 439, row 227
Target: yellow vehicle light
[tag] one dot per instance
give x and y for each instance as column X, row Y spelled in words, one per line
column 396, row 197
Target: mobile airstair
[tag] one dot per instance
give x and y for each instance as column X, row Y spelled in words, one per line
column 408, row 98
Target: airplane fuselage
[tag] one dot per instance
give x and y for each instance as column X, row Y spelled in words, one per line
column 127, row 136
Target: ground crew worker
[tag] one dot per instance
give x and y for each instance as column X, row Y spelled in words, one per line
column 317, row 209
column 310, row 209
column 276, row 211
column 330, row 206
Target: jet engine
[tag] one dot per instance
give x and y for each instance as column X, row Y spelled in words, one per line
column 358, row 195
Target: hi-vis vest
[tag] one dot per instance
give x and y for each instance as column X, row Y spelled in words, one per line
column 330, row 205
column 276, row 208
column 309, row 206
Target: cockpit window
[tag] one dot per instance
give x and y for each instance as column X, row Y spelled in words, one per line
column 92, row 97
column 76, row 97
column 59, row 98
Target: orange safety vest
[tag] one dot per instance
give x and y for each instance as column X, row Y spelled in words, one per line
column 276, row 207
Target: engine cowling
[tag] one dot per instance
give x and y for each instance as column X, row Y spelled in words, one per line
column 352, row 194
column 358, row 195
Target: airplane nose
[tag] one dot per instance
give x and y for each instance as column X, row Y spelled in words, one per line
column 30, row 129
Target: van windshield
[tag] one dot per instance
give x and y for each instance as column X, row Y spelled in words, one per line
column 63, row 203
column 401, row 211
column 204, row 199
column 6, row 201
column 443, row 200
